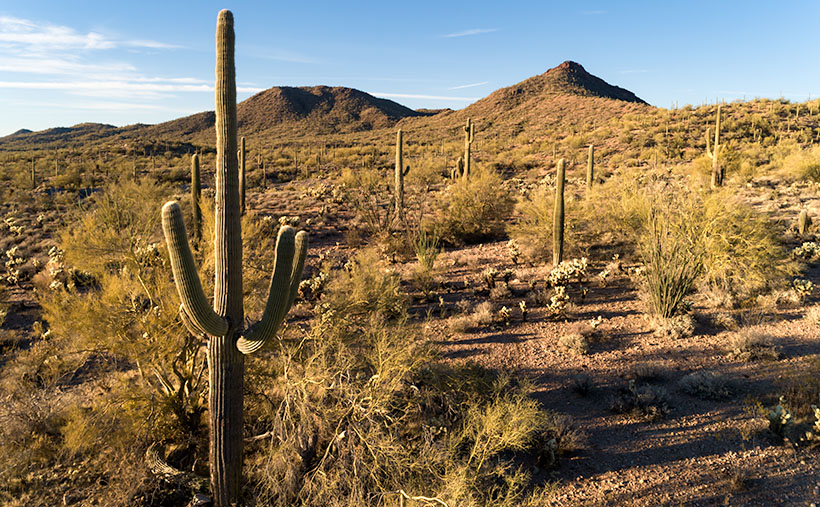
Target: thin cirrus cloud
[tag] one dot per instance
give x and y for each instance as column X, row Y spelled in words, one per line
column 416, row 96
column 33, row 36
column 472, row 31
column 471, row 85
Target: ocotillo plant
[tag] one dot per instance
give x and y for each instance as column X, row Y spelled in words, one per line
column 717, row 169
column 591, row 166
column 401, row 172
column 223, row 323
column 241, row 157
column 469, row 135
column 196, row 213
column 803, row 222
column 558, row 216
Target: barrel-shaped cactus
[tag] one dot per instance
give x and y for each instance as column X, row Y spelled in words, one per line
column 223, row 322
column 196, row 212
column 558, row 217
column 803, row 222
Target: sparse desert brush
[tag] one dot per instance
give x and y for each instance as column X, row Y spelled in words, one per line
column 472, row 209
column 365, row 285
column 427, row 248
column 801, row 164
column 368, row 193
column 642, row 402
column 752, row 345
column 705, row 384
column 813, row 315
column 532, row 230
column 674, row 327
column 574, row 343
column 482, row 316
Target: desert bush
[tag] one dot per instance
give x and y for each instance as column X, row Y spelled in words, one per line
column 472, row 209
column 365, row 285
column 427, row 248
column 642, row 402
column 752, row 345
column 801, row 164
column 532, row 229
column 574, row 343
column 705, row 384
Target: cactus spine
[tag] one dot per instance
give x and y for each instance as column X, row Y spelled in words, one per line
column 196, row 213
column 558, row 217
column 224, row 322
column 401, row 172
column 591, row 166
column 469, row 135
column 803, row 222
column 241, row 157
column 714, row 155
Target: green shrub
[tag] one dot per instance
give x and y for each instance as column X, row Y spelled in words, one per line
column 472, row 209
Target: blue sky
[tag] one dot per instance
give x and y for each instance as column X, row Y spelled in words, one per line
column 63, row 63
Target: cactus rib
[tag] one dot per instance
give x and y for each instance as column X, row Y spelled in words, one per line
column 291, row 250
column 185, row 274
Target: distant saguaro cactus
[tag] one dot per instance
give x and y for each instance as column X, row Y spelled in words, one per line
column 558, row 216
column 33, row 174
column 458, row 172
column 803, row 222
column 591, row 166
column 224, row 322
column 196, row 212
column 714, row 155
column 469, row 136
column 400, row 173
column 241, row 156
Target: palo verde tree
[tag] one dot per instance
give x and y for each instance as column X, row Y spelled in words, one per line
column 223, row 324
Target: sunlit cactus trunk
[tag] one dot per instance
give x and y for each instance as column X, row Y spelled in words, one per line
column 469, row 136
column 558, row 217
column 196, row 212
column 591, row 166
column 223, row 323
column 803, row 222
column 400, row 173
column 241, row 157
column 714, row 155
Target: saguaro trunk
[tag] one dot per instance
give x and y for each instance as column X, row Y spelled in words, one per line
column 225, row 363
column 558, row 217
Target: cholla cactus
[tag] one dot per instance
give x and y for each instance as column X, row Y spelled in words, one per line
column 488, row 277
column 522, row 305
column 223, row 323
column 561, row 275
column 515, row 253
column 808, row 251
column 779, row 418
column 559, row 301
column 803, row 287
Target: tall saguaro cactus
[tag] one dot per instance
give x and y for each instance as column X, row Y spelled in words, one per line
column 714, row 155
column 469, row 136
column 558, row 216
column 591, row 166
column 33, row 174
column 223, row 323
column 196, row 212
column 400, row 173
column 241, row 157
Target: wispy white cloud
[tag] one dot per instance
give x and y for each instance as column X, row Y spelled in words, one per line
column 415, row 96
column 472, row 31
column 34, row 36
column 141, row 88
column 471, row 85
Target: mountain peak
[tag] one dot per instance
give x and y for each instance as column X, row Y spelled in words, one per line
column 571, row 78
